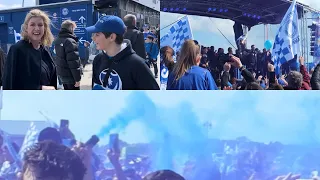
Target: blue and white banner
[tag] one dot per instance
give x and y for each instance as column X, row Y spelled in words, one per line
column 30, row 138
column 177, row 34
column 287, row 41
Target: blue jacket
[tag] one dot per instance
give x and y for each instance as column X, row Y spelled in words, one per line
column 152, row 53
column 196, row 78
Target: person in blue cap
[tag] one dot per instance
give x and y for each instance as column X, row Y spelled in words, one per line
column 118, row 67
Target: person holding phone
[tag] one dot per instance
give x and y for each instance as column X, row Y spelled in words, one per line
column 29, row 64
column 114, row 155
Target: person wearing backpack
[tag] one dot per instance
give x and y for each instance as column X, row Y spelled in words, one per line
column 152, row 53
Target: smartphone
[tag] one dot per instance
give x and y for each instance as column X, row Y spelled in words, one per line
column 92, row 141
column 114, row 142
column 64, row 123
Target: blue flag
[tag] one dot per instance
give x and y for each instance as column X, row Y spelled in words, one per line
column 177, row 34
column 30, row 138
column 287, row 41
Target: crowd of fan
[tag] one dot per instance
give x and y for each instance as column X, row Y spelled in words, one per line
column 241, row 70
column 239, row 159
column 50, row 159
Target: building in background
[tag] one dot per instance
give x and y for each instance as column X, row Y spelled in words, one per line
column 146, row 11
column 83, row 12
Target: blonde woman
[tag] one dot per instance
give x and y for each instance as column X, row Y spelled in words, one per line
column 29, row 64
column 186, row 74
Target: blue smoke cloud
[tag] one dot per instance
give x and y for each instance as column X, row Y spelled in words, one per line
column 175, row 133
column 138, row 106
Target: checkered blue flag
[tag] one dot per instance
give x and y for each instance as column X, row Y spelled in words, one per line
column 178, row 33
column 30, row 138
column 287, row 41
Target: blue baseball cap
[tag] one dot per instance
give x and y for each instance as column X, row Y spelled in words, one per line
column 108, row 24
column 146, row 26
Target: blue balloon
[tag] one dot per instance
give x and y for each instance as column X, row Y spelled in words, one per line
column 268, row 45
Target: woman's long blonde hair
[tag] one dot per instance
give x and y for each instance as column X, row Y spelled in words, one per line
column 47, row 38
column 187, row 58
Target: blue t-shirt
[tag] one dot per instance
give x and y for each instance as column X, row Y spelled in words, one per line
column 196, row 78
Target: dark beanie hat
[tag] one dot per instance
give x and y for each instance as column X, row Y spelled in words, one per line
column 50, row 133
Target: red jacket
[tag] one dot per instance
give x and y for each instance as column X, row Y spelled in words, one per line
column 306, row 78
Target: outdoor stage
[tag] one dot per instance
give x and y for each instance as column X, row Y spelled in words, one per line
column 245, row 12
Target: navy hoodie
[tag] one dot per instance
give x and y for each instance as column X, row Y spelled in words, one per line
column 129, row 71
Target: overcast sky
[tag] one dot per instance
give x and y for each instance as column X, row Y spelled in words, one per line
column 7, row 4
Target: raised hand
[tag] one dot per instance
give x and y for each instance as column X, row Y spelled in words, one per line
column 236, row 62
column 84, row 152
column 270, row 67
column 301, row 60
column 113, row 156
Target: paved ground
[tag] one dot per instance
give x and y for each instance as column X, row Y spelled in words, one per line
column 86, row 79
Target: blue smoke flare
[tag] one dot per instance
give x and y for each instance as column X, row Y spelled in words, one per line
column 175, row 133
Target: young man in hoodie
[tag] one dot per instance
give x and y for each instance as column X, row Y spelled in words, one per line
column 118, row 67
